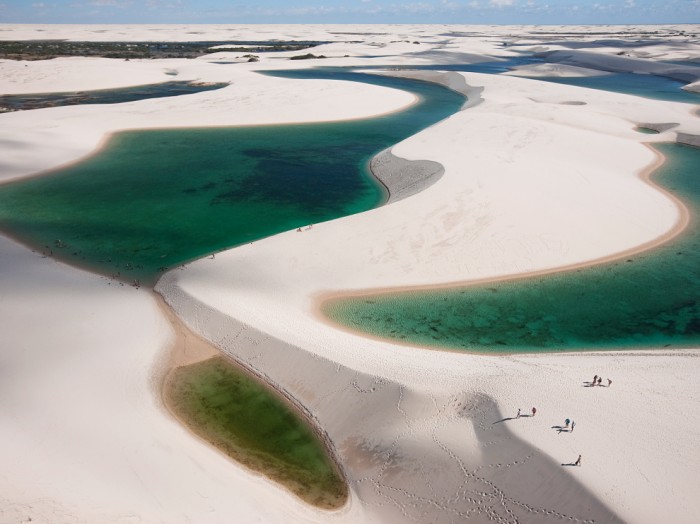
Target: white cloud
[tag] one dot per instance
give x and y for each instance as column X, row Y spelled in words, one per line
column 414, row 7
column 163, row 4
column 501, row 3
column 121, row 4
column 449, row 5
column 315, row 10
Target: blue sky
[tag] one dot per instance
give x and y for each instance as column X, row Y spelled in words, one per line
column 351, row 11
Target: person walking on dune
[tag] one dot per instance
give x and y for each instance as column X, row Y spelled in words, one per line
column 578, row 461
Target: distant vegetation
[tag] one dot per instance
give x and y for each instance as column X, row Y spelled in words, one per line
column 47, row 49
column 307, row 56
column 104, row 96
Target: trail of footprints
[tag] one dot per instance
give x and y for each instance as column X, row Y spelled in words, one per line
column 478, row 498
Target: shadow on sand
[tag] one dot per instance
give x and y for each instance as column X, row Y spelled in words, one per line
column 561, row 429
column 511, row 418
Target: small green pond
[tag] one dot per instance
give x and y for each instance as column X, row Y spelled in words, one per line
column 251, row 424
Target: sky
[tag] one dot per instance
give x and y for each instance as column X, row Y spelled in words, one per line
column 351, row 11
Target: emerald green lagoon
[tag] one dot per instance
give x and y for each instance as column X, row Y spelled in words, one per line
column 152, row 200
column 252, row 425
column 648, row 300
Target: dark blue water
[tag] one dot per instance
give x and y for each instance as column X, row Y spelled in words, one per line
column 489, row 67
column 103, row 96
column 648, row 86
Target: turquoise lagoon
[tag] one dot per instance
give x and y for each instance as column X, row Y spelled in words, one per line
column 647, row 300
column 152, row 200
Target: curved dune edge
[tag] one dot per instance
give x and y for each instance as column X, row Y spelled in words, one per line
column 61, row 136
column 647, row 176
column 404, row 178
column 421, row 174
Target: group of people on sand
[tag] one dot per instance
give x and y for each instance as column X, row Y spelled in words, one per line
column 597, row 381
column 566, row 425
column 534, row 410
column 567, row 422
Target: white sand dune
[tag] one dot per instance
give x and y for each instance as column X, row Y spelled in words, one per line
column 41, row 139
column 537, row 177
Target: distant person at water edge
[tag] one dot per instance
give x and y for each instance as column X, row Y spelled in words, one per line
column 534, row 411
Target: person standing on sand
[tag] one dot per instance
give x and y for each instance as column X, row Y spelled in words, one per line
column 578, row 461
column 595, row 379
column 600, row 380
column 534, row 411
column 567, row 423
column 518, row 415
column 609, row 382
column 572, row 426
